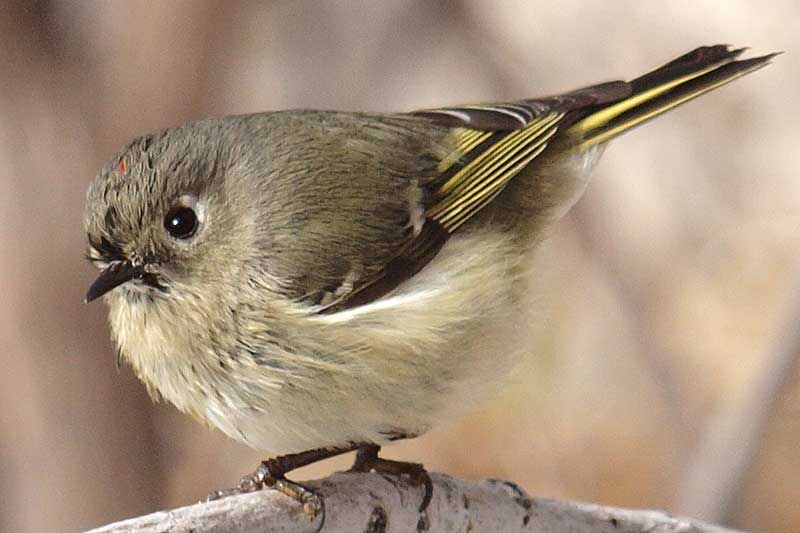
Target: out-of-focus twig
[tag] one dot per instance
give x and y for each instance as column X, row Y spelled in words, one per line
column 716, row 476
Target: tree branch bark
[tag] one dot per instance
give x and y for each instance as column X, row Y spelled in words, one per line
column 376, row 504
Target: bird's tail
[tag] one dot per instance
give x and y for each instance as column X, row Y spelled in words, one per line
column 665, row 88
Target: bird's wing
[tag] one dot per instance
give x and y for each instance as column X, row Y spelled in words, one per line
column 492, row 143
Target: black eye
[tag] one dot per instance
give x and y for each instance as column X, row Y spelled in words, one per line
column 181, row 222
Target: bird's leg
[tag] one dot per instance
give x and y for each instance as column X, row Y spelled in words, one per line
column 272, row 473
column 367, row 460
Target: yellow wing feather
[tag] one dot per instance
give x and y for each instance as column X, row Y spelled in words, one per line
column 481, row 179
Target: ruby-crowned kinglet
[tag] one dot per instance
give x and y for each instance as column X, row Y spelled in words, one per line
column 314, row 282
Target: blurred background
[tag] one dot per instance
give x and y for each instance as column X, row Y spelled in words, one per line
column 662, row 371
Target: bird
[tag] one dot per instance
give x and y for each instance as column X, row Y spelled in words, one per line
column 318, row 282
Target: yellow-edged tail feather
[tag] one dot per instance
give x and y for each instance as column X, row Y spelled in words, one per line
column 664, row 89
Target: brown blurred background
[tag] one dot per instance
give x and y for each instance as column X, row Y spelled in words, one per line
column 658, row 374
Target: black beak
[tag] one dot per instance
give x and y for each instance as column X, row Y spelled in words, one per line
column 113, row 276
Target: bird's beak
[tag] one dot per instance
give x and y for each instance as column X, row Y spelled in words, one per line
column 113, row 276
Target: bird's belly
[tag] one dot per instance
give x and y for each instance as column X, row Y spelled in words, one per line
column 402, row 364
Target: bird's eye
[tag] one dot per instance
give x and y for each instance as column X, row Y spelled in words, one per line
column 181, row 222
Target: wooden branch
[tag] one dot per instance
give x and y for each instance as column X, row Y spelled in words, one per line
column 373, row 503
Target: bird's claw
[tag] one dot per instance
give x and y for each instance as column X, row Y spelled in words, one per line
column 262, row 478
column 367, row 460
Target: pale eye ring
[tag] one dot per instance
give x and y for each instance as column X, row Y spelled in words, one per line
column 183, row 219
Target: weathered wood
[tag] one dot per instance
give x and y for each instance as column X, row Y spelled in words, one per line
column 376, row 504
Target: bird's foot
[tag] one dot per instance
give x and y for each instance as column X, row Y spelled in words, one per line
column 367, row 460
column 271, row 474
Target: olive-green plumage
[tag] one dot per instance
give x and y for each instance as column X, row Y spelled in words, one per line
column 309, row 279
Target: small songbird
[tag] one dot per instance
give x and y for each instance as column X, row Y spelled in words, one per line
column 317, row 282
